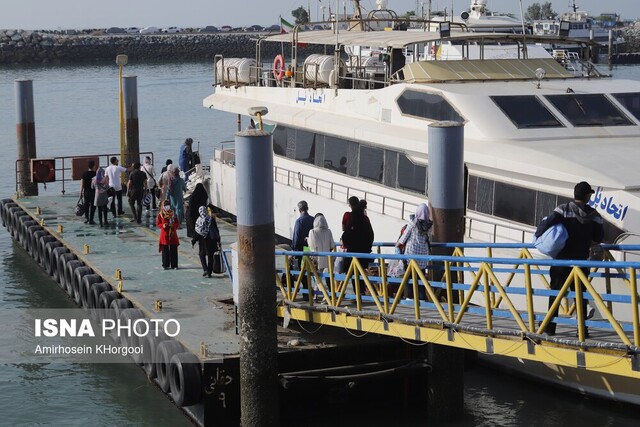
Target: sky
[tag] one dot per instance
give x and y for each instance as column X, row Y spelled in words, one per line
column 84, row 14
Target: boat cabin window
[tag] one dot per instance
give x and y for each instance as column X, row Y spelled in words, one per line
column 427, row 106
column 526, row 112
column 630, row 101
column 340, row 155
column 389, row 167
column 589, row 110
column 411, row 176
column 371, row 163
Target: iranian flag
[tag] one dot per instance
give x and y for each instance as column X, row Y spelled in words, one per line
column 285, row 26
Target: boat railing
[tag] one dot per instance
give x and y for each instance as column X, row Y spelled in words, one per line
column 332, row 190
column 486, row 229
column 63, row 166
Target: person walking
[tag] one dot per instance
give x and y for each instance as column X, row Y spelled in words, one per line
column 321, row 240
column 113, row 172
column 168, row 243
column 346, row 217
column 208, row 238
column 584, row 227
column 101, row 187
column 415, row 240
column 152, row 184
column 185, row 160
column 163, row 181
column 358, row 237
column 175, row 193
column 135, row 191
column 197, row 199
column 88, row 192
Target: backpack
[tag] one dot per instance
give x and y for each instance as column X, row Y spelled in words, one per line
column 552, row 241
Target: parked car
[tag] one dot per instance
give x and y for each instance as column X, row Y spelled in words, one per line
column 226, row 28
column 254, row 28
column 114, row 30
column 208, row 29
column 171, row 30
column 149, row 30
column 132, row 30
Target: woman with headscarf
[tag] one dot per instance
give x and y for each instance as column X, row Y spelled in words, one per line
column 100, row 183
column 208, row 236
column 175, row 191
column 168, row 224
column 197, row 200
column 358, row 237
column 415, row 239
column 321, row 240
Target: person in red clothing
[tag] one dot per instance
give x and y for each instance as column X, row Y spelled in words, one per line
column 346, row 217
column 168, row 223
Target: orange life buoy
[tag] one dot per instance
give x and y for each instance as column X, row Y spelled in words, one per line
column 43, row 170
column 278, row 67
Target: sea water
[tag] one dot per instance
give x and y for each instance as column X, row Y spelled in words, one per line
column 76, row 113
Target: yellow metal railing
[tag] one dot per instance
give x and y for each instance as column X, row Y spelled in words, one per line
column 492, row 298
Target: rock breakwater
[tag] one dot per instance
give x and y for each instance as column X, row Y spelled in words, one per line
column 31, row 47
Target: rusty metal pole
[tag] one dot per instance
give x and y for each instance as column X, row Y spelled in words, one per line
column 26, row 133
column 132, row 133
column 256, row 272
column 445, row 386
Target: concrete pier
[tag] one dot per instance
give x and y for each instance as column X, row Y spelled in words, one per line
column 123, row 263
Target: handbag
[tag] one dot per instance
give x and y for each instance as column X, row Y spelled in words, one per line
column 111, row 192
column 79, row 209
column 146, row 200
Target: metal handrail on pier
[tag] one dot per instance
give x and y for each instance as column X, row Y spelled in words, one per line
column 63, row 165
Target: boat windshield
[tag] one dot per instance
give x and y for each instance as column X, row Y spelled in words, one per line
column 526, row 112
column 630, row 101
column 589, row 110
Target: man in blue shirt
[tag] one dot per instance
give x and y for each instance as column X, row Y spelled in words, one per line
column 301, row 229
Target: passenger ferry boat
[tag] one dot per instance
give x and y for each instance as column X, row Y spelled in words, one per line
column 354, row 121
column 342, row 127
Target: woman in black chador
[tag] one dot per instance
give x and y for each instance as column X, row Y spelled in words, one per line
column 197, row 199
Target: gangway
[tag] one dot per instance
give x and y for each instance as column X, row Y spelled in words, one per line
column 477, row 301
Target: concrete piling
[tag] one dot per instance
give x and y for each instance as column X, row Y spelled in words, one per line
column 26, row 136
column 256, row 269
column 446, row 199
column 132, row 132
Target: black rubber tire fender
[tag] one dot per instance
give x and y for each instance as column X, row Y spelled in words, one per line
column 9, row 217
column 69, row 270
column 104, row 304
column 30, row 230
column 78, row 275
column 15, row 227
column 26, row 236
column 117, row 306
column 42, row 248
column 94, row 297
column 150, row 345
column 185, row 377
column 164, row 353
column 17, row 223
column 55, row 261
column 5, row 204
column 48, row 255
column 33, row 246
column 62, row 266
column 131, row 314
column 85, row 288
